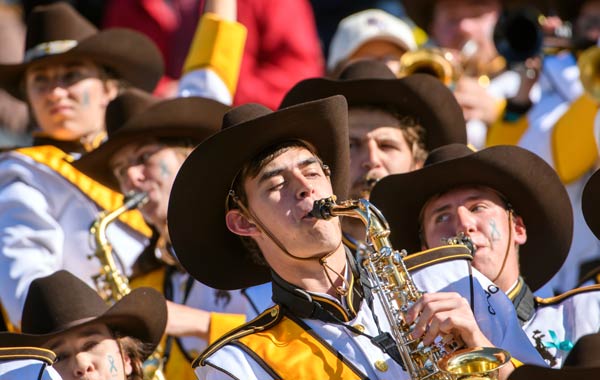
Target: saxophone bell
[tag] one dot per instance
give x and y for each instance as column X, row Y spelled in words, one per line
column 474, row 363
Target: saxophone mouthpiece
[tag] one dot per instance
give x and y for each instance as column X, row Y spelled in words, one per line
column 369, row 183
column 135, row 199
column 322, row 208
column 462, row 239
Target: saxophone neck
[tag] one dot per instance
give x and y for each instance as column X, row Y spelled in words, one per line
column 375, row 223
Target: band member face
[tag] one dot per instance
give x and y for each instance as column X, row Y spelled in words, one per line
column 149, row 166
column 89, row 352
column 377, row 149
column 380, row 50
column 69, row 100
column 281, row 196
column 479, row 213
column 455, row 22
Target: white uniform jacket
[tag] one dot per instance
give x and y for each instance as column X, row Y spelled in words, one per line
column 231, row 358
column 558, row 322
column 45, row 226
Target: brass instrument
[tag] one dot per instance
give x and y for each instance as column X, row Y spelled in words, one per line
column 441, row 63
column 111, row 284
column 395, row 288
column 448, row 65
column 589, row 71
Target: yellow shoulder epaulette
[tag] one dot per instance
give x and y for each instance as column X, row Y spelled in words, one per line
column 436, row 255
column 21, row 353
column 503, row 132
column 104, row 197
column 573, row 144
column 561, row 297
column 262, row 322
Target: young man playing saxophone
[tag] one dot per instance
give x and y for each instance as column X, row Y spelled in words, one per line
column 514, row 208
column 254, row 183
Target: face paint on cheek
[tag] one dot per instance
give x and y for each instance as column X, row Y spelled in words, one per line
column 494, row 233
column 112, row 366
column 85, row 100
column 164, row 169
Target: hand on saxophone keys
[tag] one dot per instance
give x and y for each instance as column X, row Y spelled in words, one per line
column 442, row 314
column 449, row 316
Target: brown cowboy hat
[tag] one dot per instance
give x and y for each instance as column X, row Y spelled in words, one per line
column 372, row 83
column 136, row 115
column 60, row 302
column 590, row 203
column 582, row 363
column 57, row 33
column 526, row 181
column 421, row 11
column 203, row 244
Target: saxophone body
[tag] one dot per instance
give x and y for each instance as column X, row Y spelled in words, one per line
column 393, row 285
column 111, row 284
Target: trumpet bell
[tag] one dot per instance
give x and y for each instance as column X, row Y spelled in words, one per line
column 474, row 363
column 437, row 62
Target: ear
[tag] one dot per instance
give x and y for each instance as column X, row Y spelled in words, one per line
column 417, row 164
column 127, row 367
column 239, row 224
column 520, row 231
column 111, row 87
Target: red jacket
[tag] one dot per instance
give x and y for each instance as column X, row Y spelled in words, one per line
column 282, row 46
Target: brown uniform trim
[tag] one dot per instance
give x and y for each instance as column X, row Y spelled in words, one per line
column 561, row 297
column 436, row 255
column 22, row 353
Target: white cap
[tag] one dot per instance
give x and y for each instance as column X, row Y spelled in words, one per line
column 371, row 24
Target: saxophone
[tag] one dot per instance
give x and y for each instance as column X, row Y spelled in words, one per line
column 397, row 292
column 111, row 284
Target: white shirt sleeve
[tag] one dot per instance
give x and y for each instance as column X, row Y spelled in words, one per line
column 204, row 83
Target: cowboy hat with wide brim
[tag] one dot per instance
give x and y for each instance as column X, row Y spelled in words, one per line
column 136, row 115
column 56, row 33
column 421, row 11
column 527, row 182
column 590, row 203
column 61, row 302
column 196, row 217
column 371, row 83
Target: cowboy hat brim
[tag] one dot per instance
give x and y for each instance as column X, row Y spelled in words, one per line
column 530, row 185
column 590, row 203
column 129, row 54
column 196, row 217
column 529, row 372
column 194, row 118
column 141, row 314
column 419, row 95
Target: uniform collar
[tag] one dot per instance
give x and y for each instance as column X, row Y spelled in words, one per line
column 304, row 304
column 523, row 300
column 70, row 147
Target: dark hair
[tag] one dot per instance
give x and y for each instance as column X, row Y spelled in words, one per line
column 251, row 170
column 136, row 351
